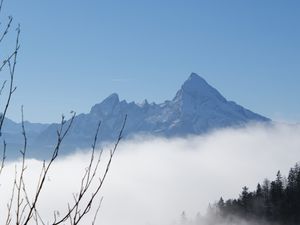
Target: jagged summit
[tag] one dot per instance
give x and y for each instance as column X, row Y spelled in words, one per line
column 196, row 78
column 107, row 105
column 196, row 87
column 196, row 84
column 114, row 97
column 197, row 108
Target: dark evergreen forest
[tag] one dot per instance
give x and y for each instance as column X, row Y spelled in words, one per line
column 273, row 202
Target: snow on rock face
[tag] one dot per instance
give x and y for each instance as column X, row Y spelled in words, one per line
column 199, row 89
column 107, row 105
column 196, row 108
column 196, row 94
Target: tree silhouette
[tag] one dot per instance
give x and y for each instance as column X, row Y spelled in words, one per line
column 273, row 202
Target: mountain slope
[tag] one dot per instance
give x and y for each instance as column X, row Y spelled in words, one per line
column 196, row 108
column 12, row 134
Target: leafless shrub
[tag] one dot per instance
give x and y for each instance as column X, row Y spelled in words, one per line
column 21, row 208
column 26, row 209
column 7, row 85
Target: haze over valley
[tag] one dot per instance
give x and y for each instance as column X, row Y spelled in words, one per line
column 149, row 112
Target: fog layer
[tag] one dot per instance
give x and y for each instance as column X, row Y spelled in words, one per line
column 152, row 180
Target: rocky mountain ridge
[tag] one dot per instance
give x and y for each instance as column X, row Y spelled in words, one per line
column 196, row 108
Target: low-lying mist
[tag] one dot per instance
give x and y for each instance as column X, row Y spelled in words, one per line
column 153, row 180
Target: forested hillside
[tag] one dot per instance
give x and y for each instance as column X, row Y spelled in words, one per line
column 275, row 202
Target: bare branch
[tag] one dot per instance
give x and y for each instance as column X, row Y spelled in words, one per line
column 20, row 203
column 9, row 205
column 74, row 213
column 12, row 68
column 3, row 157
column 1, row 4
column 20, row 185
column 97, row 211
column 3, row 86
column 60, row 136
column 10, row 19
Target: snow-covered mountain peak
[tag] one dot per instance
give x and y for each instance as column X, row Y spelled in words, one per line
column 107, row 105
column 197, row 88
column 114, row 97
column 197, row 108
column 196, row 78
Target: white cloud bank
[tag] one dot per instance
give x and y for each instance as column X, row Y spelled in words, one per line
column 152, row 180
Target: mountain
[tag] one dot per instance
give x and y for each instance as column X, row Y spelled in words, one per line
column 12, row 134
column 196, row 108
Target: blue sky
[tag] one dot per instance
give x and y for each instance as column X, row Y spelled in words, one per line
column 75, row 53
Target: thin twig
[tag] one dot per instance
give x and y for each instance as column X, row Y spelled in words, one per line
column 79, row 214
column 10, row 19
column 97, row 211
column 20, row 185
column 60, row 136
column 12, row 68
column 3, row 157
